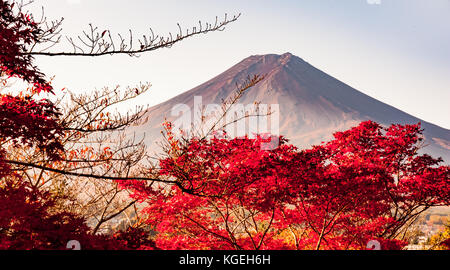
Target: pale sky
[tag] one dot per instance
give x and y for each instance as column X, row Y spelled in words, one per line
column 396, row 51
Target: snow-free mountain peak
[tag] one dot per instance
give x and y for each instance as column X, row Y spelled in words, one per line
column 312, row 103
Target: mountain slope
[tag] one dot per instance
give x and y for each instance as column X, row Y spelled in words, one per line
column 313, row 104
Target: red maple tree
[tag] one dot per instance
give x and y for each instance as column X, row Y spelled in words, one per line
column 34, row 126
column 23, row 118
column 368, row 183
column 26, row 219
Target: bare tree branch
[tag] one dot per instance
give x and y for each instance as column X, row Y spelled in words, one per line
column 94, row 42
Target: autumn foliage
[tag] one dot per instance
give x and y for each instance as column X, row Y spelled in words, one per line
column 17, row 32
column 24, row 119
column 28, row 219
column 368, row 183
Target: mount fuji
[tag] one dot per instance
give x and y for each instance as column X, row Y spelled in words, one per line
column 313, row 105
